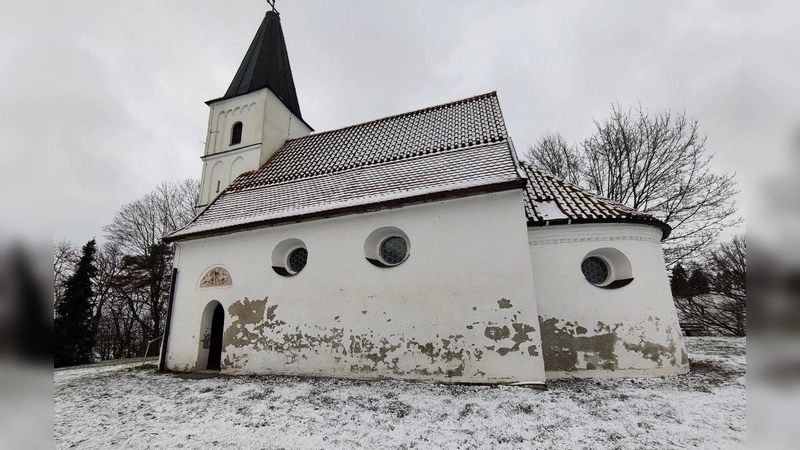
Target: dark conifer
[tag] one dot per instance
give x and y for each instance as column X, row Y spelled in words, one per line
column 679, row 282
column 72, row 326
column 699, row 282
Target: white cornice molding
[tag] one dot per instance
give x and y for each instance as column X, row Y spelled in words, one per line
column 574, row 234
column 234, row 151
column 592, row 239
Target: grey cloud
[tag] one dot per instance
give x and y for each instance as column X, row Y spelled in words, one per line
column 118, row 87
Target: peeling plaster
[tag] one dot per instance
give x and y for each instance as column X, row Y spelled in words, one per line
column 504, row 303
column 561, row 346
column 205, row 342
column 256, row 326
column 234, row 361
column 652, row 351
column 497, row 333
column 248, row 312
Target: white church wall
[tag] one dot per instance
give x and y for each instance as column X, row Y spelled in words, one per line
column 238, row 166
column 280, row 125
column 591, row 331
column 266, row 125
column 460, row 308
column 224, row 168
column 248, row 109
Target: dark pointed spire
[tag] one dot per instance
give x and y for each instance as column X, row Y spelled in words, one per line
column 266, row 64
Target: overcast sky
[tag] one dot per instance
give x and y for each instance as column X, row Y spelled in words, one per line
column 112, row 92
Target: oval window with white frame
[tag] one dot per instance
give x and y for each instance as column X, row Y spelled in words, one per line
column 289, row 257
column 607, row 268
column 387, row 247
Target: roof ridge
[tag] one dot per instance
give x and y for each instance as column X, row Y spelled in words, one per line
column 396, row 116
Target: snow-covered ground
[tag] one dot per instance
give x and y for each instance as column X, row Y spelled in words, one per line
column 125, row 406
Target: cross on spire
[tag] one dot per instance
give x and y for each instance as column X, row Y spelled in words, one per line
column 272, row 4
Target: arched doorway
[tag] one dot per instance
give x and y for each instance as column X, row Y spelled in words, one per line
column 215, row 344
column 212, row 325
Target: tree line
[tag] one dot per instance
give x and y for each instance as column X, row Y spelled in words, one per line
column 111, row 299
column 711, row 297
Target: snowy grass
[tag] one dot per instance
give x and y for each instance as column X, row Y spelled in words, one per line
column 127, row 406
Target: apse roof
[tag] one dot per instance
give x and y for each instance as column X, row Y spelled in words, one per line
column 550, row 200
column 446, row 150
column 266, row 65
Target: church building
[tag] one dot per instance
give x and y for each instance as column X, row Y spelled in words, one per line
column 415, row 246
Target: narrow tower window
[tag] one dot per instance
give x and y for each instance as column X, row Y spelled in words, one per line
column 236, row 133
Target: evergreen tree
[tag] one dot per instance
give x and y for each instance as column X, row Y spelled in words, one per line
column 699, row 283
column 680, row 282
column 73, row 323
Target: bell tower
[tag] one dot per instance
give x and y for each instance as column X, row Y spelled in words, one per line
column 257, row 114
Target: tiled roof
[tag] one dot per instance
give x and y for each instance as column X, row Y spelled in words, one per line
column 438, row 151
column 465, row 123
column 551, row 199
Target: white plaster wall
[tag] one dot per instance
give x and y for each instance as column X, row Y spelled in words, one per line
column 238, row 167
column 280, row 125
column 225, row 167
column 266, row 125
column 460, row 308
column 631, row 331
column 248, row 109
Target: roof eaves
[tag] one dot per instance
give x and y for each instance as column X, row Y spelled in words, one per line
column 666, row 230
column 397, row 202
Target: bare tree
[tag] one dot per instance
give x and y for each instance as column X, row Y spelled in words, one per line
column 656, row 163
column 141, row 224
column 109, row 268
column 729, row 262
column 65, row 258
column 552, row 153
column 720, row 306
column 138, row 264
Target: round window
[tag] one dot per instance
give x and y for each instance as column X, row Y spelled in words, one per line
column 595, row 270
column 289, row 257
column 297, row 259
column 394, row 250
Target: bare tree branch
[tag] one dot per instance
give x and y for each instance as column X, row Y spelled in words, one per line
column 655, row 163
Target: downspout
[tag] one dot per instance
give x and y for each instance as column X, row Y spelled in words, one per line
column 162, row 360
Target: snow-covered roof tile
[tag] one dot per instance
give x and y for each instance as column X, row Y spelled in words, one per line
column 544, row 192
column 464, row 123
column 459, row 146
